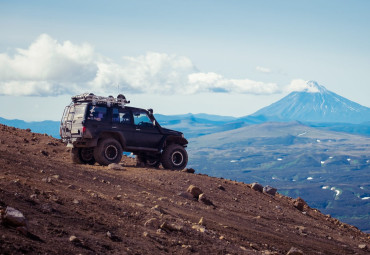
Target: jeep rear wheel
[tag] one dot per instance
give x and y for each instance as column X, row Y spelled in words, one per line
column 108, row 151
column 83, row 156
column 174, row 157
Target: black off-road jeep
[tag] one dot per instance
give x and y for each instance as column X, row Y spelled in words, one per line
column 99, row 129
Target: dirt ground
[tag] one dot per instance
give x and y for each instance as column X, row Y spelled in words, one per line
column 83, row 209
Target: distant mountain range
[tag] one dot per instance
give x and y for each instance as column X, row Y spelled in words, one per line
column 315, row 104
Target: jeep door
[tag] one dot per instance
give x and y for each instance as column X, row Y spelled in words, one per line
column 147, row 133
column 122, row 122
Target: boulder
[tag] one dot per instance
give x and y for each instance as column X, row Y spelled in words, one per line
column 14, row 217
column 269, row 190
column 257, row 187
column 299, row 203
column 194, row 191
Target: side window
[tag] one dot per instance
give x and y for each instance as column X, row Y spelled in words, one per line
column 142, row 119
column 97, row 113
column 122, row 116
column 125, row 117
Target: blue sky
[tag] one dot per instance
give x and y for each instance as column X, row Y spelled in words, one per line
column 178, row 56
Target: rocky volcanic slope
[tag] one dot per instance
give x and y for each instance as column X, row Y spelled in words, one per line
column 80, row 209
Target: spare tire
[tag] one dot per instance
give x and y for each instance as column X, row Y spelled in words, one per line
column 108, row 151
column 174, row 157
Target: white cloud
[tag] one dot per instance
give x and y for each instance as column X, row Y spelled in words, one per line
column 50, row 68
column 302, row 85
column 263, row 69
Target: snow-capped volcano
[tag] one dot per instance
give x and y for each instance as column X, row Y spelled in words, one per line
column 316, row 104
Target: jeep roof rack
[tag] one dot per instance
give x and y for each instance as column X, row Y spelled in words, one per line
column 109, row 101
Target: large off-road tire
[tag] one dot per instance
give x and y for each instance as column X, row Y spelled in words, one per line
column 174, row 157
column 108, row 151
column 83, row 156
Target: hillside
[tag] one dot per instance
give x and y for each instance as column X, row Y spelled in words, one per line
column 299, row 160
column 74, row 209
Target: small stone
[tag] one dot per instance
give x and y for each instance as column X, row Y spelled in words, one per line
column 194, row 190
column 56, row 177
column 189, row 170
column 294, row 251
column 201, row 222
column 75, row 201
column 220, row 187
column 145, row 234
column 199, row 228
column 73, row 239
column 118, row 197
column 47, row 180
column 269, row 190
column 45, row 153
column 257, row 187
column 221, row 238
column 28, row 130
column 362, row 246
column 115, row 166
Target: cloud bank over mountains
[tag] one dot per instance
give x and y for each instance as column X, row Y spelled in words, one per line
column 51, row 68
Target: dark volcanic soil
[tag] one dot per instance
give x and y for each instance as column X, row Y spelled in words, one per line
column 148, row 211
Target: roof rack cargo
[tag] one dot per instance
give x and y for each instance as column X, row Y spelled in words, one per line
column 109, row 101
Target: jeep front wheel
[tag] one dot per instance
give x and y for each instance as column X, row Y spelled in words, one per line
column 174, row 157
column 108, row 151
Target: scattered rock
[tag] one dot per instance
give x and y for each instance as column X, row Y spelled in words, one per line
column 204, row 199
column 199, row 228
column 28, row 130
column 74, row 239
column 195, row 191
column 75, row 201
column 189, row 170
column 118, row 197
column 115, row 166
column 257, row 187
column 269, row 190
column 299, row 203
column 47, row 180
column 14, row 217
column 294, row 251
column 45, row 153
column 362, row 246
column 220, row 187
column 201, row 222
column 170, row 227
